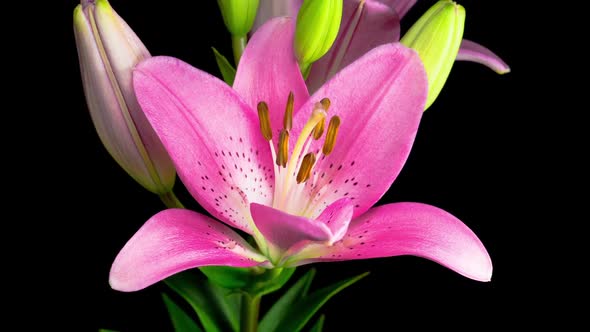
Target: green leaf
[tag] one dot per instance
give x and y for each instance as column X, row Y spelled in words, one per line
column 181, row 321
column 228, row 72
column 319, row 324
column 211, row 303
column 300, row 313
column 229, row 303
column 280, row 310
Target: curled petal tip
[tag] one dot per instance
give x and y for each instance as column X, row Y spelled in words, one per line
column 118, row 284
column 474, row 52
column 481, row 267
column 413, row 229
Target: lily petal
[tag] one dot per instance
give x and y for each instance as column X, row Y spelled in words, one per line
column 337, row 217
column 212, row 136
column 268, row 70
column 379, row 99
column 411, row 229
column 284, row 230
column 175, row 240
column 472, row 51
column 365, row 25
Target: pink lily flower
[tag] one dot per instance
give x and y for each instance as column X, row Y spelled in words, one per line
column 365, row 25
column 256, row 158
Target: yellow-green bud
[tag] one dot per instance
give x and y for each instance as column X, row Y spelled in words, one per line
column 238, row 15
column 436, row 36
column 318, row 22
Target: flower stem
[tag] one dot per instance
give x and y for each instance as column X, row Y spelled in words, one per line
column 249, row 315
column 238, row 44
column 305, row 69
column 171, row 201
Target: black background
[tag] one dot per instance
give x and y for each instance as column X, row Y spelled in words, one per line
column 472, row 157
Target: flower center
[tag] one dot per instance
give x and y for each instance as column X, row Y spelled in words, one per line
column 294, row 170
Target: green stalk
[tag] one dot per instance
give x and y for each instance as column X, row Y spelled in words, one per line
column 249, row 315
column 305, row 69
column 171, row 201
column 238, row 44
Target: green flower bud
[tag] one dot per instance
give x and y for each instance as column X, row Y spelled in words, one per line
column 436, row 36
column 318, row 22
column 238, row 15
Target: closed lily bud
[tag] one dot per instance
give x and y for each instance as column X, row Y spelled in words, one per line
column 436, row 36
column 318, row 22
column 108, row 50
column 238, row 15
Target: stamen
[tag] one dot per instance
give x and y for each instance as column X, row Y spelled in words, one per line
column 288, row 119
column 282, row 156
column 326, row 103
column 330, row 141
column 264, row 120
column 299, row 164
column 319, row 129
column 306, row 166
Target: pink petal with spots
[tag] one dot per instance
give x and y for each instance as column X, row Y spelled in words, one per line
column 410, row 229
column 212, row 136
column 365, row 25
column 380, row 100
column 268, row 70
column 175, row 240
column 284, row 230
column 337, row 216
